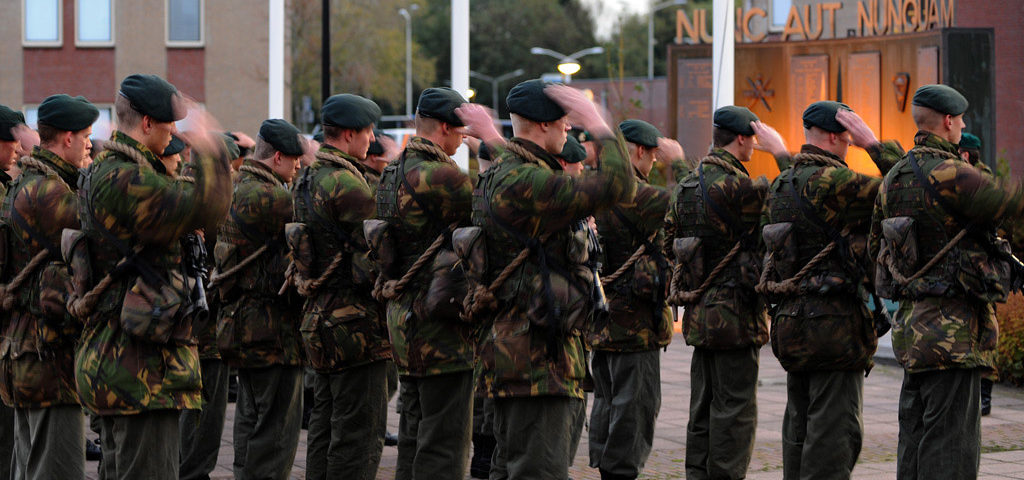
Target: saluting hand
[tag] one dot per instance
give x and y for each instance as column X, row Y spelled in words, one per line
column 479, row 123
column 668, row 150
column 580, row 109
column 768, row 139
column 860, row 134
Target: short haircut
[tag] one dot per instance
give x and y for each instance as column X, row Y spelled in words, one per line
column 47, row 134
column 127, row 117
column 722, row 137
column 425, row 125
column 263, row 150
column 926, row 118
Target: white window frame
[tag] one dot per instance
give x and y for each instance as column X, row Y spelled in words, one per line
column 43, row 43
column 97, row 43
column 31, row 112
column 185, row 43
column 771, row 13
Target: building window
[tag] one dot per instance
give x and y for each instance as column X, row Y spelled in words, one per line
column 42, row 23
column 101, row 128
column 94, row 23
column 185, row 23
column 779, row 14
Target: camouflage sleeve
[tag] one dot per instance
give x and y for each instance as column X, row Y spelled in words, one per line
column 447, row 186
column 164, row 208
column 49, row 206
column 650, row 203
column 755, row 191
column 670, row 224
column 852, row 197
column 783, row 161
column 680, row 169
column 348, row 200
column 266, row 208
column 875, row 237
column 976, row 195
column 558, row 200
column 886, row 154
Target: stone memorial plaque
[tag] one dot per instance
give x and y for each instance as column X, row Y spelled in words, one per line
column 863, row 88
column 808, row 83
column 927, row 67
column 693, row 123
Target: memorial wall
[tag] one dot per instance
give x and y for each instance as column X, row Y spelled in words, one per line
column 875, row 75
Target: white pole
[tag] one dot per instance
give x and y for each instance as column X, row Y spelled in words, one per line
column 460, row 62
column 275, row 69
column 723, row 56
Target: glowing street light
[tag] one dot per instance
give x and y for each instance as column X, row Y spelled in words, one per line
column 567, row 64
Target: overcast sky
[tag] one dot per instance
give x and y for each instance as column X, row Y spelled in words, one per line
column 608, row 11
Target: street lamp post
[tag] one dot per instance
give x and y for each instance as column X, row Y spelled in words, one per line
column 495, row 81
column 568, row 64
column 650, row 32
column 408, row 56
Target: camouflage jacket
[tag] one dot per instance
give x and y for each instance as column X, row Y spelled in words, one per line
column 424, row 346
column 342, row 325
column 37, row 364
column 951, row 329
column 827, row 326
column 639, row 318
column 532, row 348
column 255, row 326
column 117, row 373
column 729, row 314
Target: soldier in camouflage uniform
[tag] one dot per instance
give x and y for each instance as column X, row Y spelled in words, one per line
column 37, row 366
column 533, row 358
column 421, row 196
column 258, row 329
column 815, row 225
column 201, row 429
column 343, row 329
column 945, row 329
column 626, row 342
column 725, row 322
column 137, row 365
column 10, row 122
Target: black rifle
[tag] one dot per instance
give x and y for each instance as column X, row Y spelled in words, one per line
column 193, row 262
column 594, row 255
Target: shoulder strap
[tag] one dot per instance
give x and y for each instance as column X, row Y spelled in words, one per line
column 808, row 210
column 434, row 217
column 338, row 233
column 934, row 193
column 734, row 223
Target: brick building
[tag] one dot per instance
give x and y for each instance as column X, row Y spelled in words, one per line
column 215, row 51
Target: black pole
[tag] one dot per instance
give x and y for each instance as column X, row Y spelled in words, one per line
column 325, row 51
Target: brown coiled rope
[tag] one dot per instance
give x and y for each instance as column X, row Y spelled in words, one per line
column 7, row 291
column 888, row 262
column 343, row 163
column 677, row 297
column 635, row 257
column 385, row 290
column 790, row 286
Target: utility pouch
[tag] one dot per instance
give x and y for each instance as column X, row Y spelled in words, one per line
column 381, row 243
column 689, row 252
column 471, row 249
column 984, row 274
column 781, row 244
column 54, row 284
column 572, row 305
column 448, row 287
column 300, row 248
column 153, row 313
column 74, row 247
column 364, row 272
column 901, row 235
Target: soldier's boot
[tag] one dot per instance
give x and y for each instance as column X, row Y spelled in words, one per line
column 483, row 448
column 986, row 396
column 606, row 475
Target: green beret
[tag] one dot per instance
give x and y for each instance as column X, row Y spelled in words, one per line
column 735, row 119
column 8, row 120
column 176, row 146
column 941, row 98
column 969, row 141
column 67, row 113
column 823, row 115
column 281, row 135
column 233, row 151
column 349, row 111
column 528, row 100
column 440, row 103
column 151, row 95
column 573, row 151
column 640, row 133
column 319, row 136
